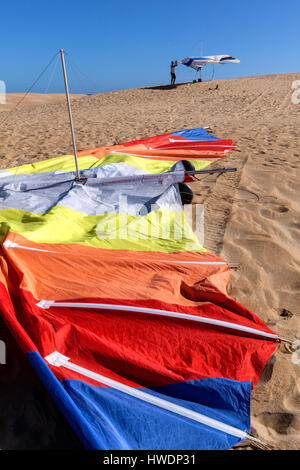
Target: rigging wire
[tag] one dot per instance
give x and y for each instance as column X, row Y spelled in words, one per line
column 73, row 66
column 38, row 110
column 71, row 61
column 28, row 91
column 75, row 72
column 52, row 75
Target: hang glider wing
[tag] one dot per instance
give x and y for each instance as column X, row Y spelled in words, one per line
column 121, row 312
column 198, row 62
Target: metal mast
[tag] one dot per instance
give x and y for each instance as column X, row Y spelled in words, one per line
column 70, row 112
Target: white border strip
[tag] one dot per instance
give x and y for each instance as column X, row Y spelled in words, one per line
column 163, row 157
column 176, row 261
column 45, row 304
column 11, row 244
column 57, row 359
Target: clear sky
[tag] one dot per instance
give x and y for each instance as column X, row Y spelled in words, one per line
column 128, row 44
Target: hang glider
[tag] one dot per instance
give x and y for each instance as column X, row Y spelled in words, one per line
column 121, row 312
column 197, row 63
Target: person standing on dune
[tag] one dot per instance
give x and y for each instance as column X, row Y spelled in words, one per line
column 173, row 76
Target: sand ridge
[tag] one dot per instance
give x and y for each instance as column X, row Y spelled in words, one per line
column 252, row 217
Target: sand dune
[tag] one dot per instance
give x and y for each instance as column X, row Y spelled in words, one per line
column 252, row 218
column 33, row 99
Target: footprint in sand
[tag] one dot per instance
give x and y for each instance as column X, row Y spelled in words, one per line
column 280, row 422
column 268, row 371
column 201, row 190
column 292, row 400
column 273, row 210
column 244, row 195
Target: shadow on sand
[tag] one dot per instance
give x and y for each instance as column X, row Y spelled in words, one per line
column 165, row 87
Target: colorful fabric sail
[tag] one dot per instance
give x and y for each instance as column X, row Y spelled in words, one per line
column 197, row 63
column 123, row 315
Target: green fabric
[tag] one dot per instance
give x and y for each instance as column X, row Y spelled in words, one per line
column 161, row 230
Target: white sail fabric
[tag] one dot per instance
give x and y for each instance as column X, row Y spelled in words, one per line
column 197, row 62
column 112, row 188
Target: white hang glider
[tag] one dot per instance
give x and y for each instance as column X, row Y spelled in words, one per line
column 197, row 63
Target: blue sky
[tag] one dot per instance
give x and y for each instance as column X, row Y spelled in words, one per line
column 128, row 44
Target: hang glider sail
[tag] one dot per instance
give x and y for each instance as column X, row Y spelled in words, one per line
column 197, row 63
column 121, row 312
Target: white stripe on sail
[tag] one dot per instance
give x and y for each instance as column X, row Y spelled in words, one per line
column 176, row 261
column 165, row 313
column 194, row 147
column 59, row 360
column 11, row 244
column 194, row 143
column 166, row 157
column 190, row 140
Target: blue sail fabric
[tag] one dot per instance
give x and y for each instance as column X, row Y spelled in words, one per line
column 195, row 134
column 120, row 421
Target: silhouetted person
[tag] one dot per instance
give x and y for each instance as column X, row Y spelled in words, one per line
column 173, row 76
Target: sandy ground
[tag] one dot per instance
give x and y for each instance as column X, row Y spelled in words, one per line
column 252, row 218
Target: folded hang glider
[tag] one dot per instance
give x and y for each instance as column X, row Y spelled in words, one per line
column 123, row 315
column 197, row 63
